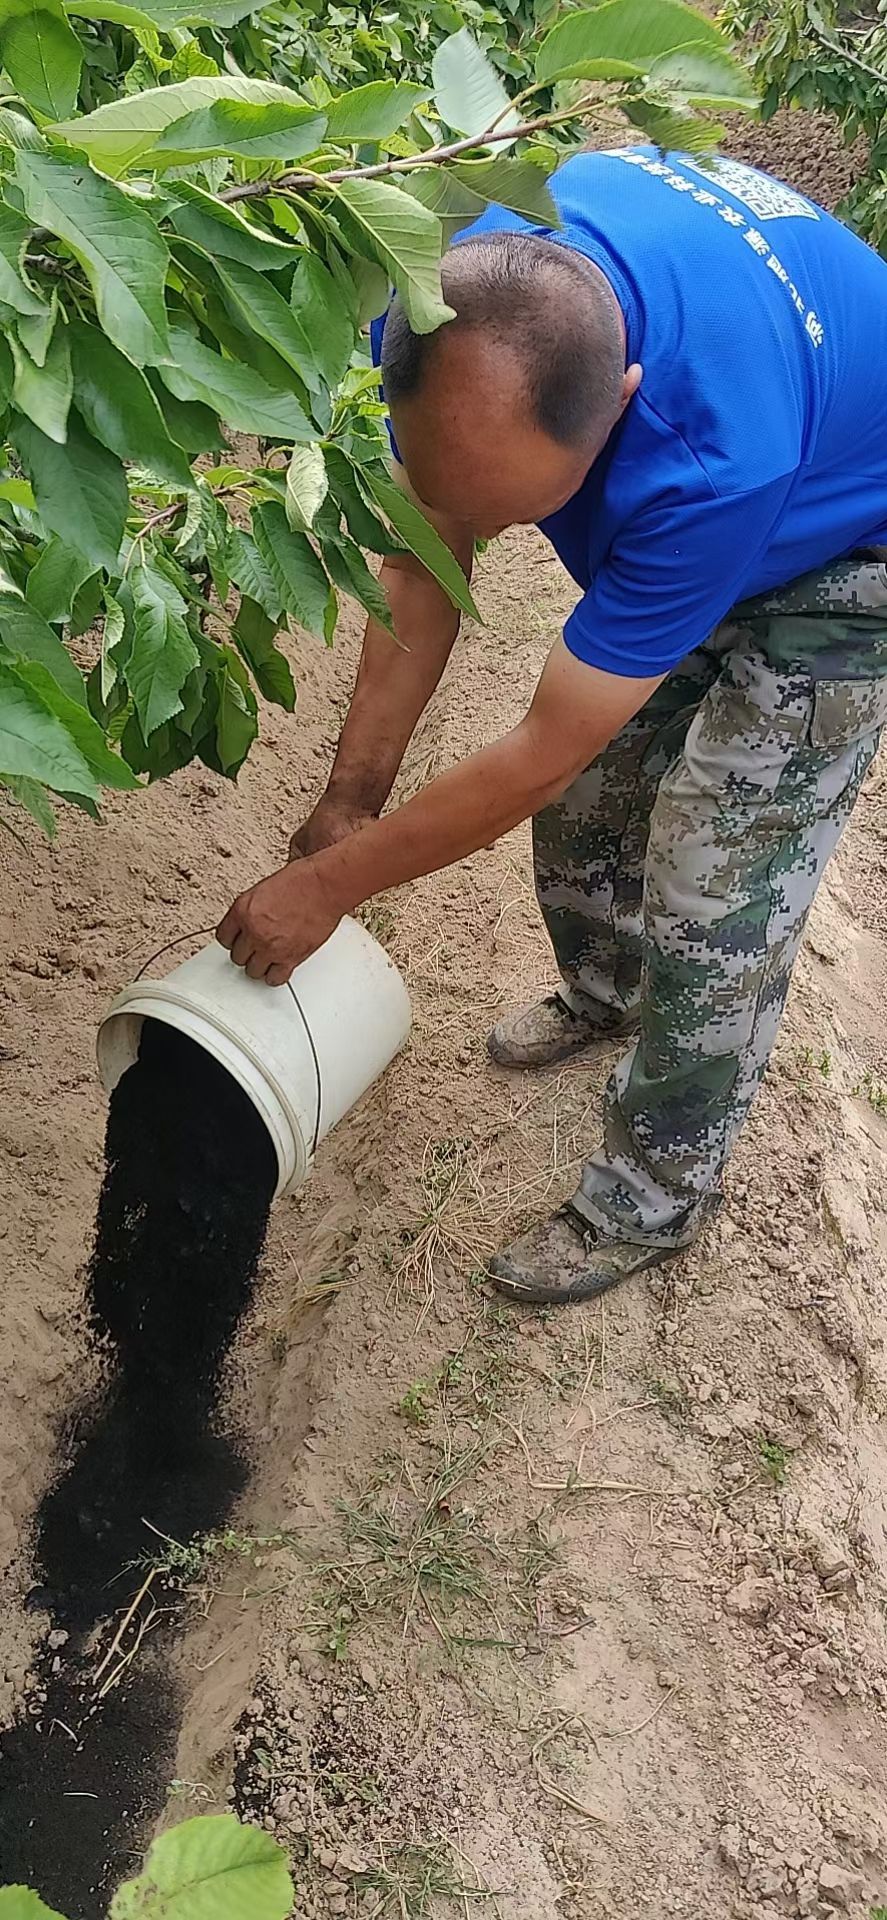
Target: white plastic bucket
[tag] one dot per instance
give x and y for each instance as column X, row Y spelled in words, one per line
column 304, row 1053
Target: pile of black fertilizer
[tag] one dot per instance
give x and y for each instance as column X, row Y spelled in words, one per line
column 189, row 1178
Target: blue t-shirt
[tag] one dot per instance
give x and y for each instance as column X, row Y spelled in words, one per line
column 756, row 446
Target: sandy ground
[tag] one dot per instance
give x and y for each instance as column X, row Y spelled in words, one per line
column 556, row 1616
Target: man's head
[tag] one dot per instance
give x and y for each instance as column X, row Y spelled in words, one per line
column 499, row 414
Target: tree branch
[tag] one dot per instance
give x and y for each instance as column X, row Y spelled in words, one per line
column 434, row 157
column 45, row 262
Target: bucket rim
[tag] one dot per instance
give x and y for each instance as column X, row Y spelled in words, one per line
column 154, row 999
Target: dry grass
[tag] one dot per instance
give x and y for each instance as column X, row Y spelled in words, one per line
column 451, row 1225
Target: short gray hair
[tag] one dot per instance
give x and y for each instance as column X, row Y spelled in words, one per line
column 551, row 307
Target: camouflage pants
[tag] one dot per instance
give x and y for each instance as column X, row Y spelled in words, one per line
column 676, row 874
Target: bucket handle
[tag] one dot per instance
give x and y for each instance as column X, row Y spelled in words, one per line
column 200, row 933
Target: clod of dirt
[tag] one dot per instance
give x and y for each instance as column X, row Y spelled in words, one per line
column 189, row 1178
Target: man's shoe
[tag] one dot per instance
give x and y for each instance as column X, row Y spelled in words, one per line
column 565, row 1259
column 550, row 1030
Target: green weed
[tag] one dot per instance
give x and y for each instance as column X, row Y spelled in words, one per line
column 875, row 1092
column 775, row 1459
column 413, row 1405
column 412, row 1879
column 808, row 1061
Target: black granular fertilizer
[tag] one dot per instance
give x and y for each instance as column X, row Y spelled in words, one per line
column 189, row 1178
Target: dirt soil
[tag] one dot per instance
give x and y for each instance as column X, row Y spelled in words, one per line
column 556, row 1616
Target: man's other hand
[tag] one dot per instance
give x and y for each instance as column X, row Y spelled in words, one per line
column 330, row 821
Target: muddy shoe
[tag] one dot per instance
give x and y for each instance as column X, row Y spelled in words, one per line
column 549, row 1031
column 564, row 1259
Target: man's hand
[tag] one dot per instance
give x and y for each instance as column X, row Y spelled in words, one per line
column 331, row 821
column 280, row 922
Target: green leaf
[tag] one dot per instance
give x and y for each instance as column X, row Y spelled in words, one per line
column 254, row 633
column 468, row 91
column 26, row 635
column 44, row 393
column 326, row 324
column 55, row 580
column 35, row 745
column 236, row 725
column 190, row 60
column 362, row 521
column 349, row 570
column 438, row 189
column 632, row 31
column 162, row 653
column 211, row 1866
column 14, row 289
column 306, row 487
column 116, row 242
column 244, row 398
column 33, row 797
column 249, row 572
column 112, row 633
column 373, row 112
column 707, row 79
column 18, row 1903
column 420, row 536
column 521, row 184
column 19, row 493
column 87, row 601
column 673, row 131
column 119, row 407
column 224, row 231
column 277, row 131
column 35, row 330
column 107, row 767
column 80, row 489
column 269, row 315
column 125, row 132
column 17, row 131
column 405, row 238
column 191, row 425
column 168, row 15
column 294, row 567
column 42, row 55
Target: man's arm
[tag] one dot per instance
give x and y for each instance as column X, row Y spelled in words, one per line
column 575, row 712
column 394, row 684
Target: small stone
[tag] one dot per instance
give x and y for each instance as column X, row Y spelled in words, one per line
column 369, row 1676
column 668, row 1679
column 729, row 1845
column 57, row 1638
column 350, row 1861
column 66, row 960
column 751, row 1599
column 843, row 1888
column 340, row 1716
column 716, row 1425
column 745, row 1416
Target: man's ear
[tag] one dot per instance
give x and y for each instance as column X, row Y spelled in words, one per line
column 633, row 377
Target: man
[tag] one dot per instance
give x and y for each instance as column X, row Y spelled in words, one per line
column 686, row 387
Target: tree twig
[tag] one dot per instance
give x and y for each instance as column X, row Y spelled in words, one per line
column 46, row 262
column 307, row 182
